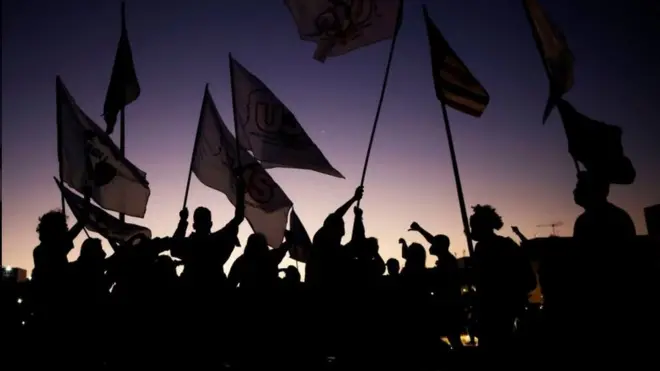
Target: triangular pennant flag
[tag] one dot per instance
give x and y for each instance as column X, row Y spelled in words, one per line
column 124, row 87
column 267, row 206
column 300, row 239
column 269, row 129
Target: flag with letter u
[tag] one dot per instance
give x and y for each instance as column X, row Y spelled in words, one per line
column 341, row 26
column 124, row 87
column 596, row 145
column 266, row 204
column 100, row 221
column 87, row 154
column 269, row 129
column 454, row 83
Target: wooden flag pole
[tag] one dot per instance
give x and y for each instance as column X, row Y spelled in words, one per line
column 380, row 102
column 457, row 179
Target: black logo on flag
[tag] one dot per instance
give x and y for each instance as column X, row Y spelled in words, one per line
column 100, row 171
column 271, row 117
column 345, row 20
column 259, row 185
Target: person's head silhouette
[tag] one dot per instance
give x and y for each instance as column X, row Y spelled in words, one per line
column 393, row 267
column 439, row 245
column 91, row 251
column 257, row 245
column 484, row 222
column 590, row 191
column 334, row 224
column 52, row 227
column 416, row 254
column 202, row 222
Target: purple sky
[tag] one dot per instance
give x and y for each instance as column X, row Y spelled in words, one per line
column 507, row 158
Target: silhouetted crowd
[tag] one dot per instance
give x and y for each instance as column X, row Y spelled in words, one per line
column 132, row 309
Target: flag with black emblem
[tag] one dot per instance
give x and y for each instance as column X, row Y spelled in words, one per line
column 341, row 26
column 88, row 156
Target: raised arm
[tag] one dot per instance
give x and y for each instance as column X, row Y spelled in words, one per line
column 417, row 228
column 286, row 246
column 404, row 247
column 341, row 211
column 239, row 213
column 182, row 227
column 519, row 234
column 358, row 226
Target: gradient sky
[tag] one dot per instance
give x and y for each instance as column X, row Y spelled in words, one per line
column 506, row 158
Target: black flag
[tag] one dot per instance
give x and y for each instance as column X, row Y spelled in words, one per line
column 124, row 87
column 596, row 145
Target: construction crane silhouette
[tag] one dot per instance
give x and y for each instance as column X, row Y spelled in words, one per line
column 551, row 225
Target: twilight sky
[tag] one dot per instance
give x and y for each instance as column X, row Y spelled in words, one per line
column 506, row 158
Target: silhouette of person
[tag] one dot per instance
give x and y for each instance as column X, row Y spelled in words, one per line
column 327, row 254
column 393, row 267
column 503, row 278
column 600, row 235
column 204, row 253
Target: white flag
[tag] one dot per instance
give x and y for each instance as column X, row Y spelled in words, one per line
column 87, row 154
column 301, row 241
column 266, row 204
column 269, row 129
column 340, row 26
column 100, row 221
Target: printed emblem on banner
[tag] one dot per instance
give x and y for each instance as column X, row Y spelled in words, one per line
column 345, row 20
column 260, row 186
column 102, row 173
column 271, row 117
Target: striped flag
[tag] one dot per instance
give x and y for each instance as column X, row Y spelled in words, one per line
column 454, row 83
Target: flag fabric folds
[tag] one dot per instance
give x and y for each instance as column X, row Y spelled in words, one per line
column 99, row 221
column 124, row 87
column 266, row 205
column 454, row 83
column 339, row 27
column 89, row 157
column 300, row 239
column 269, row 129
column 556, row 56
column 596, row 145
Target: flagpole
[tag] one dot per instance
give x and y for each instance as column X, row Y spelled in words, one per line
column 380, row 104
column 122, row 144
column 457, row 179
column 58, row 119
column 233, row 107
column 192, row 158
column 539, row 48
